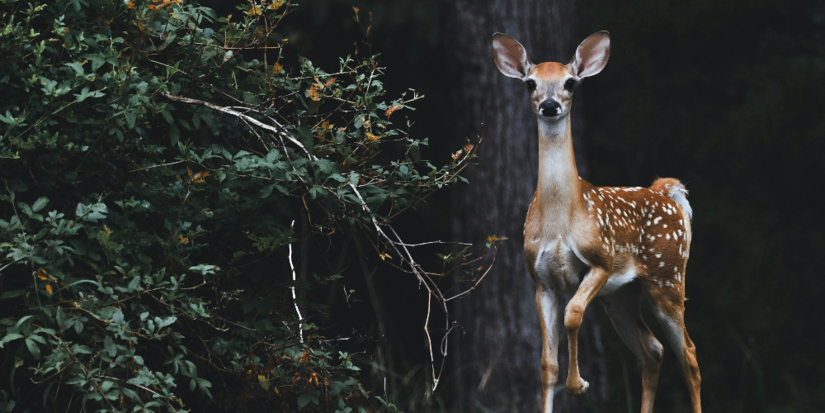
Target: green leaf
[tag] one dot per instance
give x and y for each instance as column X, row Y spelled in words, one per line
column 110, row 347
column 91, row 213
column 40, row 203
column 10, row 337
column 306, row 138
column 415, row 153
column 130, row 120
column 78, row 68
column 167, row 117
column 11, row 294
column 33, row 348
column 21, row 321
column 174, row 134
column 97, row 61
column 106, row 385
column 61, row 318
column 306, row 398
column 377, row 200
column 8, row 118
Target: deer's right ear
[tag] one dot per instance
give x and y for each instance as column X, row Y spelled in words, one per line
column 510, row 56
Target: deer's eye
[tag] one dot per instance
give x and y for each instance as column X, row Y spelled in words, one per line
column 531, row 85
column 569, row 84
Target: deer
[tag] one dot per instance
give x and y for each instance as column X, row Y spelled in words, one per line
column 625, row 245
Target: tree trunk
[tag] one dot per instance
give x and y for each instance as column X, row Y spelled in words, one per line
column 497, row 359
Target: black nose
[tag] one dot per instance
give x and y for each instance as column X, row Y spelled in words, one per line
column 550, row 108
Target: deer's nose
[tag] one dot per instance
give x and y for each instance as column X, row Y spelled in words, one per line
column 550, row 108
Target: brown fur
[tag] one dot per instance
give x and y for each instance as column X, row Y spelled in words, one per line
column 549, row 70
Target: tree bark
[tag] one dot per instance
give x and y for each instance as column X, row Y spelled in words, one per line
column 497, row 358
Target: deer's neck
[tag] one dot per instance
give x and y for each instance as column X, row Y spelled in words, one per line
column 559, row 189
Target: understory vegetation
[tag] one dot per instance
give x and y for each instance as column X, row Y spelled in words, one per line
column 174, row 193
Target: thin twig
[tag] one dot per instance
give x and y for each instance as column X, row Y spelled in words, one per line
column 478, row 280
column 156, row 166
column 422, row 278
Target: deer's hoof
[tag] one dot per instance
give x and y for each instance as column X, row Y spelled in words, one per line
column 577, row 387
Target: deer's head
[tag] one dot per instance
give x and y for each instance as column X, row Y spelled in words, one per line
column 551, row 84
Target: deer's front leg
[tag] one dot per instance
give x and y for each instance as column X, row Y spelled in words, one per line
column 546, row 304
column 589, row 288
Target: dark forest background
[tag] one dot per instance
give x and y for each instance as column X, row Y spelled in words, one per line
column 727, row 96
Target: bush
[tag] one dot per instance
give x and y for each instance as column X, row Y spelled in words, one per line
column 158, row 164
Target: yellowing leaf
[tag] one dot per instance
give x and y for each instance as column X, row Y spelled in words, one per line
column 254, row 10
column 200, row 176
column 365, row 122
column 314, row 92
column 276, row 4
column 184, row 240
column 385, row 256
column 372, row 137
column 49, row 288
column 492, row 238
column 41, row 274
column 264, row 382
column 393, row 109
column 276, row 68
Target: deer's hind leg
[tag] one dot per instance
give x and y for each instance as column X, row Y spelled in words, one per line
column 669, row 308
column 623, row 308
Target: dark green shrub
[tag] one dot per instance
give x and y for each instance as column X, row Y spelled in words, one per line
column 157, row 163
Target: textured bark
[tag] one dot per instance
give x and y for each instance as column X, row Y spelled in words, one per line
column 497, row 359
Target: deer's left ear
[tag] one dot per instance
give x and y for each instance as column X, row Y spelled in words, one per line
column 591, row 55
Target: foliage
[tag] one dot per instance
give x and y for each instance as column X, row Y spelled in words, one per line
column 158, row 164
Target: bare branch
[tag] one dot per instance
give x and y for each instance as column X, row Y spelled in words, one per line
column 278, row 131
column 294, row 297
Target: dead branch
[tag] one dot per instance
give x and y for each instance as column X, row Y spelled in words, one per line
column 276, row 130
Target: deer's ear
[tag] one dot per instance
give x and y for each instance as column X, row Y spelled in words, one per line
column 591, row 55
column 510, row 56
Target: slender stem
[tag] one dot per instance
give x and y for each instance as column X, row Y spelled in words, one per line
column 294, row 296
